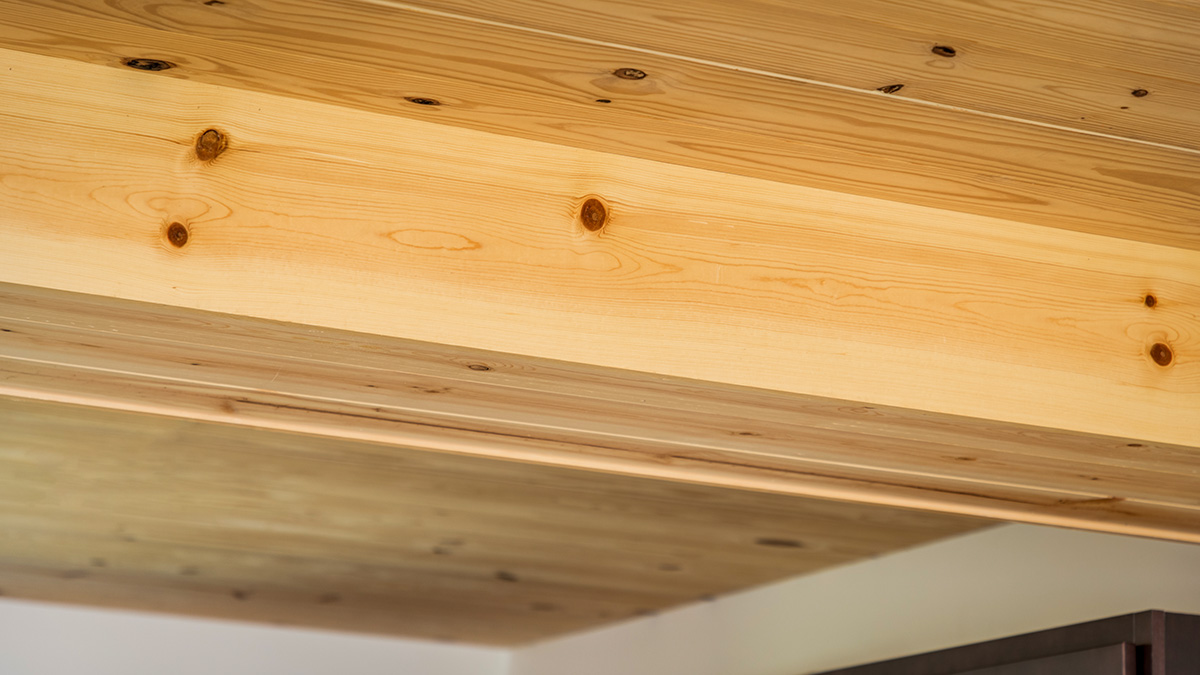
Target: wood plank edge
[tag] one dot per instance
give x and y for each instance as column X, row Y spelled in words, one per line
column 742, row 477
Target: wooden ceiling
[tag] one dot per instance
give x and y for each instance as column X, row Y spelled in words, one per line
column 147, row 512
column 616, row 271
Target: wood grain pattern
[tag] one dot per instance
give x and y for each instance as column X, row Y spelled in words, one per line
column 977, row 295
column 351, row 220
column 1072, row 63
column 491, row 77
column 265, row 375
column 345, row 219
column 137, row 511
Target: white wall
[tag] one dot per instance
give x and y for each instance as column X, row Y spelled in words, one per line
column 43, row 639
column 993, row 583
column 998, row 582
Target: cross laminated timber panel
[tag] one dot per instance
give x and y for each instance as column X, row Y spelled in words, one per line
column 754, row 264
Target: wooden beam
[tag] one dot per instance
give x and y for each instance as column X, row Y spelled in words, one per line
column 730, row 116
column 117, row 355
column 332, row 217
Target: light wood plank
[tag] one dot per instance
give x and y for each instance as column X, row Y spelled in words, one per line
column 500, row 79
column 126, row 510
column 264, row 375
column 339, row 218
column 1070, row 63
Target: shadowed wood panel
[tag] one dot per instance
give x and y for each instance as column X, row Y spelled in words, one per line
column 335, row 217
column 266, row 375
column 391, row 58
column 119, row 509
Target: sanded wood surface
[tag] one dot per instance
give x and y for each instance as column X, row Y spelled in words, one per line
column 1070, row 63
column 339, row 218
column 147, row 512
column 257, row 374
column 730, row 116
column 636, row 286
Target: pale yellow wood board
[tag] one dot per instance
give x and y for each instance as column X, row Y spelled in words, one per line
column 545, row 87
column 347, row 219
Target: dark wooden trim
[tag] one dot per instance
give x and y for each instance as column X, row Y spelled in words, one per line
column 1181, row 645
column 1118, row 659
column 1146, row 643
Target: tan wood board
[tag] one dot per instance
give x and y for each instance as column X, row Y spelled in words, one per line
column 340, row 218
column 265, row 375
column 545, row 86
column 146, row 512
column 1070, row 63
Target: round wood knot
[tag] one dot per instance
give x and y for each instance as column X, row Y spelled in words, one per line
column 1150, row 300
column 177, row 234
column 210, row 144
column 151, row 65
column 778, row 542
column 593, row 214
column 1140, row 93
column 944, row 50
column 1161, row 353
column 630, row 73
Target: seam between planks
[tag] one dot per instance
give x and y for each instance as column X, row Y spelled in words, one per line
column 21, row 392
column 404, row 6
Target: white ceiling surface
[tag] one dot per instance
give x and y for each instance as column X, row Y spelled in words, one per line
column 992, row 583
